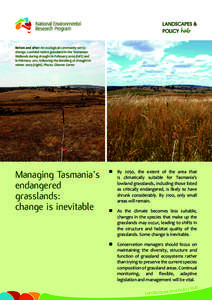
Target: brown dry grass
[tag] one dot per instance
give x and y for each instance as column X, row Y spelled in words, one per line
column 31, row 125
column 145, row 128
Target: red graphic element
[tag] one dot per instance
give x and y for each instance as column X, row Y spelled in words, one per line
column 14, row 294
column 29, row 24
column 26, row 296
column 26, row 25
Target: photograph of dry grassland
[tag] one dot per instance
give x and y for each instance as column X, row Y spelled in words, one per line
column 159, row 103
column 53, row 114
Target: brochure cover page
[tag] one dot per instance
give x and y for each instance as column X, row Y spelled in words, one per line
column 105, row 150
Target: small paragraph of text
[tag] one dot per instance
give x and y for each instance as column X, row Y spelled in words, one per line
column 50, row 56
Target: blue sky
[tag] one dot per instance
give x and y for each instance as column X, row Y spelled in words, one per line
column 92, row 73
column 159, row 62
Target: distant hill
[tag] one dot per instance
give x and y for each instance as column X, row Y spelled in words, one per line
column 156, row 88
column 82, row 86
column 110, row 87
column 77, row 86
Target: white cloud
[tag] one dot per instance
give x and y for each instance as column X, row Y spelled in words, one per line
column 153, row 69
column 112, row 66
column 149, row 50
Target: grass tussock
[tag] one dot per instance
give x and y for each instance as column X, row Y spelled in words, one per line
column 159, row 129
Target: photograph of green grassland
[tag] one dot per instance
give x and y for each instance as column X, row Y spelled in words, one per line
column 159, row 101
